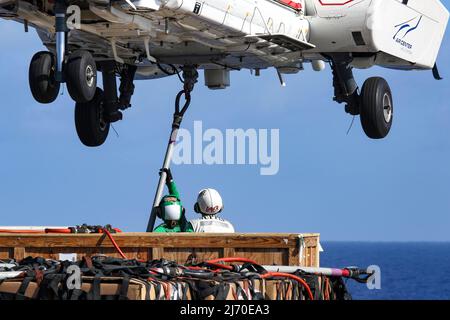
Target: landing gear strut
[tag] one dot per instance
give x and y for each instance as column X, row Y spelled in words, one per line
column 46, row 69
column 61, row 37
column 374, row 104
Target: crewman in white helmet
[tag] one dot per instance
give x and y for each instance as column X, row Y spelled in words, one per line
column 209, row 204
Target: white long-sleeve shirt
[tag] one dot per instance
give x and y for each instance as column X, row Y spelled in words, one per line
column 212, row 224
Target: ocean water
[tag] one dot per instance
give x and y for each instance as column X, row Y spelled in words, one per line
column 408, row 270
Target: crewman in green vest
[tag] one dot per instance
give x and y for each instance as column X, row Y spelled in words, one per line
column 171, row 210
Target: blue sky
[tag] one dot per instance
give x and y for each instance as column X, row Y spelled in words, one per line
column 344, row 186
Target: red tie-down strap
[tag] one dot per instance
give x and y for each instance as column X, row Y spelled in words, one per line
column 292, row 4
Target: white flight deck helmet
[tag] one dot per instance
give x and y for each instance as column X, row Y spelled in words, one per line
column 209, row 202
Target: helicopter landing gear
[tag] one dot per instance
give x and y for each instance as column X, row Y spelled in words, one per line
column 376, row 108
column 80, row 73
column 42, row 77
column 374, row 104
column 92, row 127
column 94, row 117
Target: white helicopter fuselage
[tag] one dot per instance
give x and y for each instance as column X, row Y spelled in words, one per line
column 148, row 39
column 406, row 36
column 399, row 35
column 252, row 34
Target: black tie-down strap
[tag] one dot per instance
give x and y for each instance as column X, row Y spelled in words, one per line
column 52, row 287
column 23, row 287
column 208, row 290
column 163, row 280
column 124, row 288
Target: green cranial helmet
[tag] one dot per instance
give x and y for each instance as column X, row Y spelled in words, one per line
column 170, row 208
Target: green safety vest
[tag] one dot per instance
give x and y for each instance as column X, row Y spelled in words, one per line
column 165, row 228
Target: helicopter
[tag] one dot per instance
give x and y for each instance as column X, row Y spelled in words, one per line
column 131, row 40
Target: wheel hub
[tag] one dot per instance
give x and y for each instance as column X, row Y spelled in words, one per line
column 90, row 76
column 387, row 108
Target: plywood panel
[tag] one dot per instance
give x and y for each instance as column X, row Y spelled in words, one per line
column 53, row 253
column 19, row 253
column 182, row 255
column 265, row 256
column 228, row 252
column 168, row 240
column 6, row 253
column 157, row 253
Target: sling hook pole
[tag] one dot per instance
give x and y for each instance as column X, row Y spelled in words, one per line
column 190, row 76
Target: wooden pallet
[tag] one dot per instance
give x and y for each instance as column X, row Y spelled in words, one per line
column 266, row 249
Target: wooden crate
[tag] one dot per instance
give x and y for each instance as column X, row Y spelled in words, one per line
column 267, row 249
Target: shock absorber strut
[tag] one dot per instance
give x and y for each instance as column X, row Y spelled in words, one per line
column 345, row 86
column 61, row 37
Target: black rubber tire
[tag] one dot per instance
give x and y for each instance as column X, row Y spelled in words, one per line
column 91, row 127
column 81, row 76
column 41, row 77
column 374, row 94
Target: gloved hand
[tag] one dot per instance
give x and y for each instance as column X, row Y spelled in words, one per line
column 169, row 177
